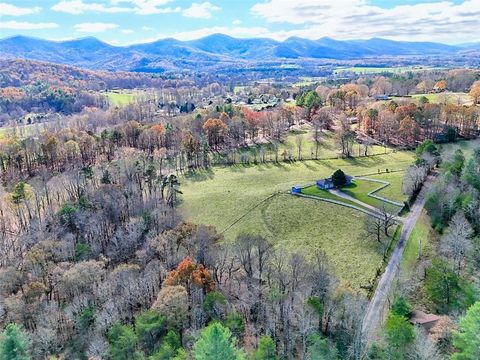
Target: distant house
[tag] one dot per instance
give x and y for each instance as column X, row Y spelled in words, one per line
column 426, row 321
column 381, row 97
column 327, row 183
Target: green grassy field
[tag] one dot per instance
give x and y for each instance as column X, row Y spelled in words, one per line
column 239, row 88
column 394, row 191
column 123, row 97
column 359, row 190
column 418, row 243
column 467, row 146
column 378, row 70
column 308, row 81
column 313, row 190
column 327, row 148
column 223, row 196
column 22, row 131
column 305, row 225
column 458, row 98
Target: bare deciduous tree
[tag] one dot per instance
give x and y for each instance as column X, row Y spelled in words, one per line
column 457, row 243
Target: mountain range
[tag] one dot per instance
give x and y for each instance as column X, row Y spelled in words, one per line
column 170, row 53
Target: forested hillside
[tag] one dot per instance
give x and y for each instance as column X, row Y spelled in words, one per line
column 169, row 54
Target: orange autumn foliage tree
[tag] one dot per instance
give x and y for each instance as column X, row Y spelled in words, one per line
column 441, row 85
column 475, row 92
column 408, row 130
column 188, row 272
column 216, row 130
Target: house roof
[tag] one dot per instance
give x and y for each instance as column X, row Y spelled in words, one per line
column 419, row 317
column 325, row 181
column 330, row 181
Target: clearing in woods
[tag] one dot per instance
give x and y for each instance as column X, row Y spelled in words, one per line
column 233, row 199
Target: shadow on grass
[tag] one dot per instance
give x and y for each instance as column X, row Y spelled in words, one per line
column 200, row 175
column 366, row 161
column 350, row 186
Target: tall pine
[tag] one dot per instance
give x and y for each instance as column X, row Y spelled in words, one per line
column 216, row 342
column 14, row 344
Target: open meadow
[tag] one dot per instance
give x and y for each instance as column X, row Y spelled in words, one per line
column 455, row 98
column 327, row 148
column 380, row 70
column 360, row 189
column 123, row 97
column 243, row 199
column 392, row 192
column 467, row 146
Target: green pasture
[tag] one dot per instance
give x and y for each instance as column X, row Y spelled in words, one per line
column 254, row 199
column 456, row 98
column 379, row 70
column 123, row 97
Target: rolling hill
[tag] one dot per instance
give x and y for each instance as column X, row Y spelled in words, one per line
column 171, row 53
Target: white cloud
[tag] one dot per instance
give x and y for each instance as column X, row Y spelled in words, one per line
column 236, row 22
column 77, row 7
column 151, row 11
column 25, row 25
column 97, row 27
column 147, row 28
column 141, row 3
column 201, row 10
column 148, row 7
column 12, row 10
column 127, row 31
column 140, row 7
column 433, row 21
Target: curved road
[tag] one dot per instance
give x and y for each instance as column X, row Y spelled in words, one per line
column 376, row 309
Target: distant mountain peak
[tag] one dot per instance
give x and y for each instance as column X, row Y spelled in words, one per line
column 93, row 53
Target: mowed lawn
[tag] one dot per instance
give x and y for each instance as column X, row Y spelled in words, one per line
column 306, row 225
column 124, row 97
column 394, row 191
column 313, row 190
column 418, row 244
column 456, row 98
column 379, row 70
column 359, row 190
column 327, row 148
column 234, row 199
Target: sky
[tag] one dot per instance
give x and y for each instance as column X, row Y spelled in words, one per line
column 123, row 22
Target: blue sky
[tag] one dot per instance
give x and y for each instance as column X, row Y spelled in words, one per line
column 122, row 22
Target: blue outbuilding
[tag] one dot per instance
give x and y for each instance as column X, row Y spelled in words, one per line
column 297, row 189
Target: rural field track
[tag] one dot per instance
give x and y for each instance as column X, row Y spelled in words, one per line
column 376, row 309
column 375, row 211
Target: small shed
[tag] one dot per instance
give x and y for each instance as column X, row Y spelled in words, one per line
column 297, row 189
column 426, row 321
